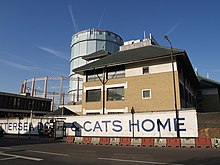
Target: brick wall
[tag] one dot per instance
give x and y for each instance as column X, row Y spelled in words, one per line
column 209, row 125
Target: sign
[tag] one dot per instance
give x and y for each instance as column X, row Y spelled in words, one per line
column 152, row 124
column 155, row 124
column 23, row 126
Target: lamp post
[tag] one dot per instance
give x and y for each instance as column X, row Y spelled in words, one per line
column 30, row 124
column 104, row 80
column 132, row 113
column 174, row 87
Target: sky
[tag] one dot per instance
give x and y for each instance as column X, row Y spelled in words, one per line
column 35, row 35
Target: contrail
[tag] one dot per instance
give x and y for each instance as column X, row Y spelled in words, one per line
column 76, row 28
column 27, row 68
column 17, row 57
column 54, row 52
column 173, row 28
column 103, row 13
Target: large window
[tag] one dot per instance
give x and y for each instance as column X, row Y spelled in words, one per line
column 94, row 77
column 116, row 72
column 115, row 93
column 93, row 95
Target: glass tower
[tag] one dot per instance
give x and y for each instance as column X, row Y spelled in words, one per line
column 84, row 43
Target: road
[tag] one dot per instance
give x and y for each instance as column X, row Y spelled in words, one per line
column 47, row 152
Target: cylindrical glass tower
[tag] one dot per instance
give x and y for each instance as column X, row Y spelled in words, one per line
column 84, row 43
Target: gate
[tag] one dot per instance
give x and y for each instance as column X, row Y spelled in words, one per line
column 59, row 129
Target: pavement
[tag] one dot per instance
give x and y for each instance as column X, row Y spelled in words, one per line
column 46, row 151
column 11, row 140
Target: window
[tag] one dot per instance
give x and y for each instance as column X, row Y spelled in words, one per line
column 145, row 69
column 93, row 113
column 115, row 93
column 146, row 94
column 94, row 77
column 93, row 95
column 115, row 112
column 14, row 102
column 116, row 74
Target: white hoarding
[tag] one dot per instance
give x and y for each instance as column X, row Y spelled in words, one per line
column 155, row 124
column 23, row 126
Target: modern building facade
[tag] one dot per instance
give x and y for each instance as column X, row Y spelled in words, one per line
column 85, row 43
column 208, row 97
column 14, row 105
column 141, row 78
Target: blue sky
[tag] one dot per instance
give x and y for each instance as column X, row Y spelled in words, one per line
column 35, row 35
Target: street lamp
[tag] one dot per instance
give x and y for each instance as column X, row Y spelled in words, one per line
column 132, row 113
column 30, row 124
column 174, row 87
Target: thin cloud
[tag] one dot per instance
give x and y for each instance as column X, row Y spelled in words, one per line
column 16, row 65
column 103, row 13
column 25, row 67
column 174, row 27
column 75, row 25
column 215, row 70
column 16, row 57
column 54, row 52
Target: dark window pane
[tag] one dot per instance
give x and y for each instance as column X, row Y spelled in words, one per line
column 146, row 94
column 115, row 93
column 145, row 69
column 93, row 95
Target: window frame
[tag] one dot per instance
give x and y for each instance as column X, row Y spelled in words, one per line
column 150, row 94
column 146, row 68
column 113, row 99
column 89, row 90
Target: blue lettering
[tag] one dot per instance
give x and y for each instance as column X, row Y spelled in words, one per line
column 26, row 126
column 175, row 124
column 19, row 126
column 106, row 124
column 76, row 127
column 84, row 126
column 150, row 122
column 159, row 123
column 132, row 125
column 14, row 126
column 97, row 126
column 183, row 129
column 9, row 126
column 6, row 126
column 116, row 123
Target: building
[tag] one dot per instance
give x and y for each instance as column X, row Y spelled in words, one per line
column 208, row 97
column 84, row 43
column 14, row 105
column 139, row 77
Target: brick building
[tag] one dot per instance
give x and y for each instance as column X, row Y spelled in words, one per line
column 140, row 77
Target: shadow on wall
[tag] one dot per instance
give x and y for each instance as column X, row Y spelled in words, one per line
column 75, row 127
